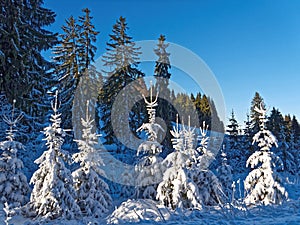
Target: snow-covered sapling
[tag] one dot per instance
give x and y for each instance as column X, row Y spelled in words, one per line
column 225, row 175
column 262, row 185
column 13, row 183
column 177, row 189
column 53, row 194
column 149, row 169
column 209, row 187
column 91, row 189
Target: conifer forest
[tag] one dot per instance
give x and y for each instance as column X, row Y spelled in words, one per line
column 105, row 140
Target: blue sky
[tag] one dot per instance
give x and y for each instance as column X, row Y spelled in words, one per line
column 249, row 45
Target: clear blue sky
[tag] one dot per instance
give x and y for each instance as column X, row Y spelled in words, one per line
column 250, row 45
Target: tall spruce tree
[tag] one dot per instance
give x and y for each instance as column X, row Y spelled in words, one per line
column 162, row 75
column 73, row 56
column 23, row 37
column 122, row 60
column 87, row 36
column 24, row 72
column 66, row 56
column 90, row 79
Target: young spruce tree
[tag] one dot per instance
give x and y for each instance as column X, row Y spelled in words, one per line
column 262, row 185
column 92, row 191
column 53, row 195
column 149, row 169
column 13, row 183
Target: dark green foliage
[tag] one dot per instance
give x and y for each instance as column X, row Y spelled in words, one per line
column 276, row 124
column 22, row 67
column 23, row 70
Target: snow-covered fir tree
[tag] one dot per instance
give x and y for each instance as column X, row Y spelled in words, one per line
column 149, row 169
column 209, row 187
column 262, row 185
column 92, row 191
column 177, row 190
column 14, row 187
column 225, row 174
column 53, row 194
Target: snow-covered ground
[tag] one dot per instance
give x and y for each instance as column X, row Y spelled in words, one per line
column 144, row 212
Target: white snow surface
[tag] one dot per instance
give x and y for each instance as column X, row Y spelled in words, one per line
column 287, row 213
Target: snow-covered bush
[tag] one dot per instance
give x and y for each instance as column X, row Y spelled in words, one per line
column 141, row 210
column 262, row 185
column 53, row 194
column 92, row 191
column 13, row 183
column 149, row 169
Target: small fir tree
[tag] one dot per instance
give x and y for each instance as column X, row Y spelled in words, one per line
column 149, row 168
column 13, row 183
column 262, row 185
column 92, row 191
column 225, row 175
column 177, row 189
column 233, row 127
column 209, row 187
column 53, row 195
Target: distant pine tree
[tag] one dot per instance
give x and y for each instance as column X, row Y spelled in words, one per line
column 276, row 123
column 233, row 127
column 254, row 115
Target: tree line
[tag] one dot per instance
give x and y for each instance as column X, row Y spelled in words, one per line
column 32, row 80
